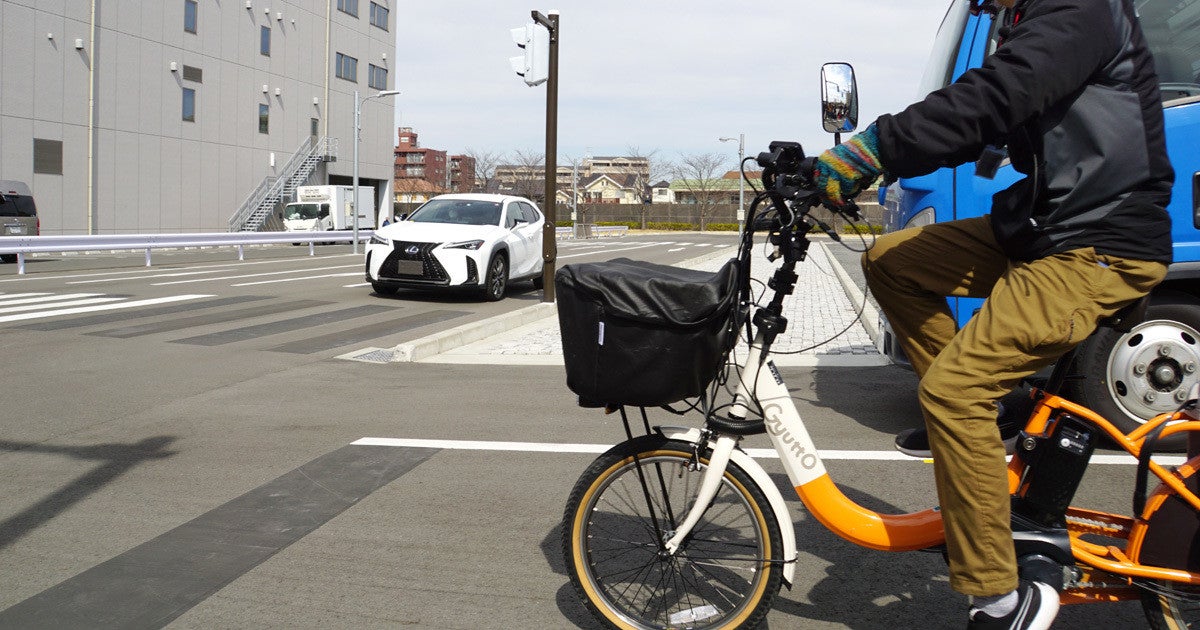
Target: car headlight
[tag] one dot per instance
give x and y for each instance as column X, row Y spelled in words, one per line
column 379, row 240
column 475, row 244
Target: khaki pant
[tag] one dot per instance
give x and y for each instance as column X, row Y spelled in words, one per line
column 1034, row 313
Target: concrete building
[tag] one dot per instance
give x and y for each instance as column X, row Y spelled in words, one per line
column 129, row 116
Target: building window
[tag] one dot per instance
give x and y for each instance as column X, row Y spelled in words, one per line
column 47, row 156
column 264, row 41
column 264, row 115
column 189, row 16
column 347, row 67
column 376, row 77
column 189, row 104
column 379, row 16
column 314, row 126
column 348, row 6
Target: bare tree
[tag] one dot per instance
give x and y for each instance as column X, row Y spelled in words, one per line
column 485, row 168
column 700, row 176
column 656, row 172
column 530, row 175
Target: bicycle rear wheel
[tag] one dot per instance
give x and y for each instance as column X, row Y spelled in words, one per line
column 1172, row 541
column 628, row 503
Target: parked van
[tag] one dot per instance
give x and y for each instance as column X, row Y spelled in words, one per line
column 18, row 213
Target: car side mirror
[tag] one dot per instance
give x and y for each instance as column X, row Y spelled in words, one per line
column 839, row 98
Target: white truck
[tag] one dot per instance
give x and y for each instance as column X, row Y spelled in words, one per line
column 319, row 208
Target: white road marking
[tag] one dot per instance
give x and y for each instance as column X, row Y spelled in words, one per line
column 146, row 272
column 757, row 453
column 328, row 275
column 144, row 277
column 356, row 286
column 83, row 302
column 676, row 249
column 620, row 249
column 101, row 307
column 45, row 297
column 253, row 275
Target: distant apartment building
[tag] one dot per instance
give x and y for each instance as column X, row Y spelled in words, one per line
column 427, row 172
column 598, row 179
column 172, row 115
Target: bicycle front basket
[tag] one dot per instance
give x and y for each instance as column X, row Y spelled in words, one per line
column 643, row 334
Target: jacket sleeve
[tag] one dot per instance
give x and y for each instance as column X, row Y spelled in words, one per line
column 1049, row 54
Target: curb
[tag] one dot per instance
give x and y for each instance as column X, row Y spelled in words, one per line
column 438, row 343
column 870, row 316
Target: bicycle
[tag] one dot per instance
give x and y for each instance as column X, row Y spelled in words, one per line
column 679, row 527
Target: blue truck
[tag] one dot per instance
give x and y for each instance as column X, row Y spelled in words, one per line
column 1131, row 377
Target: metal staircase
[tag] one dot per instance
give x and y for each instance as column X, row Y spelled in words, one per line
column 273, row 189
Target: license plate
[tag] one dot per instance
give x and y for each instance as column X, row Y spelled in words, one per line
column 410, row 267
column 14, row 229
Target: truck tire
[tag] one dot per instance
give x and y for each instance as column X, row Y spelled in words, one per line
column 1131, row 377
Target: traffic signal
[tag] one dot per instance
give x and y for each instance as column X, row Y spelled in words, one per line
column 534, row 65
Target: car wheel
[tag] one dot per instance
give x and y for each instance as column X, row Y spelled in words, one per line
column 1134, row 376
column 384, row 289
column 497, row 278
column 539, row 280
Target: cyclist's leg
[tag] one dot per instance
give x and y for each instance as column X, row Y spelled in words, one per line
column 1035, row 313
column 911, row 272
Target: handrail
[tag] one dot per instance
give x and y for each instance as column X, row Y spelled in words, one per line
column 275, row 185
column 23, row 245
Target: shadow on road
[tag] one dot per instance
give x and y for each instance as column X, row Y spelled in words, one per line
column 115, row 460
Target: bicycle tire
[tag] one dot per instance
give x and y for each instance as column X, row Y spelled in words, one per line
column 722, row 576
column 1162, row 611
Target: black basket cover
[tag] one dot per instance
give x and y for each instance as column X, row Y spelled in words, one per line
column 643, row 334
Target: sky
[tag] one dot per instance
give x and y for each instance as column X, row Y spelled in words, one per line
column 664, row 77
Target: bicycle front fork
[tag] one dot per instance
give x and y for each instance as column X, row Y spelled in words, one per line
column 710, row 481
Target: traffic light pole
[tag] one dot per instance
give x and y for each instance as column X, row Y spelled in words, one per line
column 549, row 244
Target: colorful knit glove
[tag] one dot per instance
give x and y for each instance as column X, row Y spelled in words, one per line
column 845, row 170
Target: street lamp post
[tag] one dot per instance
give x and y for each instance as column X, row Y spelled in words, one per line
column 741, row 180
column 357, row 128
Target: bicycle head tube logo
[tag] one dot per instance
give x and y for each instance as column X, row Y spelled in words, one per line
column 775, row 372
column 774, row 424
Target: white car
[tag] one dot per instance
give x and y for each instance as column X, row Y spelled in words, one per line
column 462, row 240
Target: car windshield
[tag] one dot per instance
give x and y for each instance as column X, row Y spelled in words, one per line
column 303, row 211
column 459, row 211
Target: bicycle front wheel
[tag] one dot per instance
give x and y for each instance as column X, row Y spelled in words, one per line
column 627, row 504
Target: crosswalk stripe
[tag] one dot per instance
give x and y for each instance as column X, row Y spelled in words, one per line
column 68, row 303
column 45, row 297
column 100, row 307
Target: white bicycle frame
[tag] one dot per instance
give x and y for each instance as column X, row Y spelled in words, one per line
column 760, row 381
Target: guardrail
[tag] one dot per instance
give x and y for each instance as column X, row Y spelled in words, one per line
column 590, row 230
column 23, row 245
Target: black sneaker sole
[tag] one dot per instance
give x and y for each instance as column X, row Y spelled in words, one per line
column 915, row 443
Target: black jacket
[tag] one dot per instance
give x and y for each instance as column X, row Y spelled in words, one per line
column 1073, row 93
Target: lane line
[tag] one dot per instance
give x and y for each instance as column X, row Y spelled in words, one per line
column 757, row 453
column 252, row 275
column 328, row 275
column 677, row 249
column 101, row 307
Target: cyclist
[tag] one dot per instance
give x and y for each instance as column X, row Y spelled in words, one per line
column 1072, row 91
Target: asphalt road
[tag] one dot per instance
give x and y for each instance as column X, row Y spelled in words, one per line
column 192, row 464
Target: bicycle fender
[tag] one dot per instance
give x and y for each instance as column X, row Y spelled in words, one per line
column 787, row 530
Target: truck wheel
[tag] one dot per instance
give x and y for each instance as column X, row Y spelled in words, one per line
column 497, row 278
column 1132, row 377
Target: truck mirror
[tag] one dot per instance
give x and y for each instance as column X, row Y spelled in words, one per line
column 839, row 98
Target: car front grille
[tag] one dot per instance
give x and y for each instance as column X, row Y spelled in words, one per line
column 398, row 262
